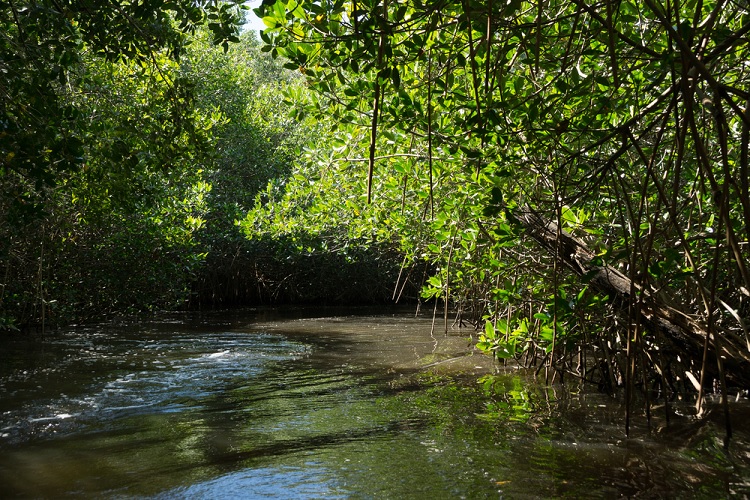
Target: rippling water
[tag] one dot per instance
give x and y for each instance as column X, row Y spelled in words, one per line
column 264, row 405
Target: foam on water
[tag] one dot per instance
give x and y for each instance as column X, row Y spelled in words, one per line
column 164, row 374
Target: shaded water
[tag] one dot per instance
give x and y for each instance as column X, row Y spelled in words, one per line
column 262, row 405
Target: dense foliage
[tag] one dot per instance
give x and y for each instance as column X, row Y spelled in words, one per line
column 99, row 160
column 570, row 178
column 575, row 173
column 123, row 128
column 42, row 52
column 125, row 170
column 257, row 144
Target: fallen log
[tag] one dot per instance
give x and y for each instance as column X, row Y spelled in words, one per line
column 685, row 332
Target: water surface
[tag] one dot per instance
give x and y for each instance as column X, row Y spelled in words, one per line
column 324, row 404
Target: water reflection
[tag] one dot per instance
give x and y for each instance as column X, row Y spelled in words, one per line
column 362, row 406
column 284, row 482
column 86, row 384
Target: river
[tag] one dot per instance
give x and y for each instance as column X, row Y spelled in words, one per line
column 316, row 403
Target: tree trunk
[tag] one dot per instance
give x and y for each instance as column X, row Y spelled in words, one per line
column 685, row 333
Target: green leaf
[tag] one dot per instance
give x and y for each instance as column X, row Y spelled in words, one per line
column 396, row 78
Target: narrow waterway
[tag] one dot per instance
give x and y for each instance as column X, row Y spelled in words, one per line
column 329, row 404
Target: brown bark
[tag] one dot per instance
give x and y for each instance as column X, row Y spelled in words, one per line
column 684, row 332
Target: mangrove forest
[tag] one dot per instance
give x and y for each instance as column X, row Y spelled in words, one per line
column 567, row 181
